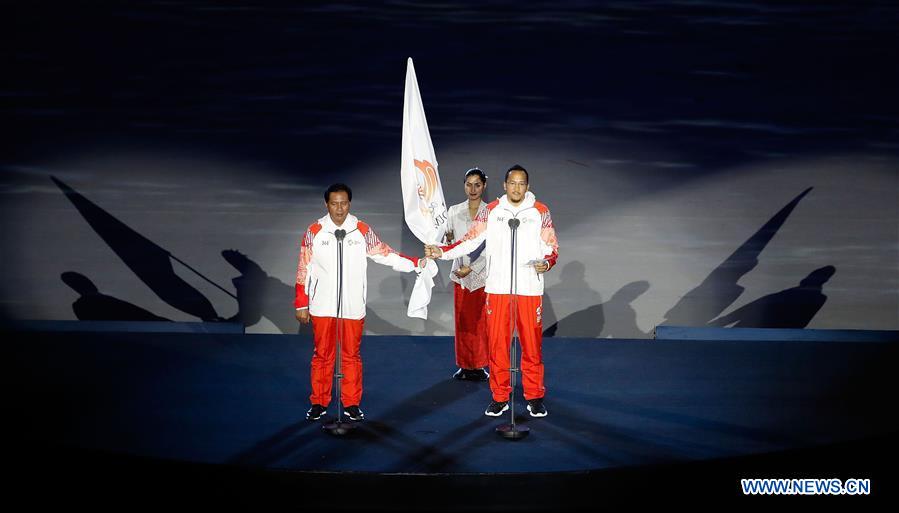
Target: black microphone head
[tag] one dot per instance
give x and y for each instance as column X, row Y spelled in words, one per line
column 514, row 222
column 340, row 234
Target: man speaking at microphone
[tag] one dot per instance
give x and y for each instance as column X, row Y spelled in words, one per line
column 514, row 288
column 332, row 296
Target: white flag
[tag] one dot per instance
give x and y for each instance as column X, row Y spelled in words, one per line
column 423, row 205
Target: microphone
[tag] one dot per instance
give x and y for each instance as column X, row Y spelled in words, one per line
column 510, row 431
column 340, row 234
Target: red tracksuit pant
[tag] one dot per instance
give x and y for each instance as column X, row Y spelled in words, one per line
column 529, row 310
column 324, row 335
column 471, row 328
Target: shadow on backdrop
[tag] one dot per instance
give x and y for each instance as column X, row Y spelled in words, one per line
column 150, row 262
column 96, row 306
column 791, row 308
column 585, row 323
column 615, row 318
column 720, row 289
column 620, row 316
column 260, row 295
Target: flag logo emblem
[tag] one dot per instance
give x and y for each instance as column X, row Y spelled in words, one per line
column 427, row 185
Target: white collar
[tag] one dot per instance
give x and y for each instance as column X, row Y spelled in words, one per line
column 349, row 224
column 526, row 202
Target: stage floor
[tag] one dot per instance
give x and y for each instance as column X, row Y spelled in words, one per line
column 239, row 401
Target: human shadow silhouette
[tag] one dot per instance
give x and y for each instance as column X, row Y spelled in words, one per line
column 790, row 308
column 720, row 288
column 584, row 323
column 260, row 295
column 93, row 305
column 615, row 318
column 151, row 263
column 619, row 314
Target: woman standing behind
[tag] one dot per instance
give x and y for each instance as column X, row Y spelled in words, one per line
column 468, row 276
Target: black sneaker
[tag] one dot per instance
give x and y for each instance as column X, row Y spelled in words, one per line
column 478, row 374
column 354, row 413
column 460, row 374
column 496, row 408
column 536, row 407
column 315, row 412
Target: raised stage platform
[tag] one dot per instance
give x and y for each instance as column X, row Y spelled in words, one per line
column 218, row 419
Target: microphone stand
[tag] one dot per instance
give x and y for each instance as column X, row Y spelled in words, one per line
column 338, row 427
column 511, row 431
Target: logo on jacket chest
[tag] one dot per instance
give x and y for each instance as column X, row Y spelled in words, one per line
column 348, row 242
column 524, row 220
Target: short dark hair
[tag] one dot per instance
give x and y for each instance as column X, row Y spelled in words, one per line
column 516, row 167
column 337, row 187
column 476, row 171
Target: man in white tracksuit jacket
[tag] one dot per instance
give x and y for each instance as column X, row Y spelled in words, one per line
column 513, row 288
column 317, row 298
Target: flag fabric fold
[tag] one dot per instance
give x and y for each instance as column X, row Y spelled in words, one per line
column 421, row 292
column 424, row 207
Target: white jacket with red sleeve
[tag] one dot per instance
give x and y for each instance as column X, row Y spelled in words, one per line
column 536, row 240
column 316, row 285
